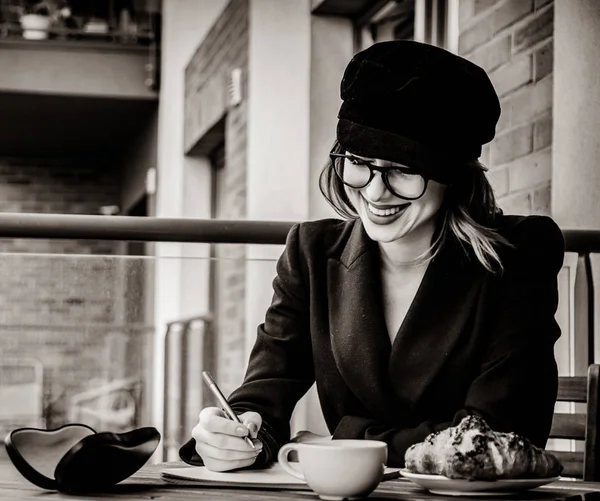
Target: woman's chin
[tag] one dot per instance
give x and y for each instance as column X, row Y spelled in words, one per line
column 385, row 234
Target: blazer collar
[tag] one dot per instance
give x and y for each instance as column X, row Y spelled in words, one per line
column 382, row 375
column 359, row 338
column 358, row 245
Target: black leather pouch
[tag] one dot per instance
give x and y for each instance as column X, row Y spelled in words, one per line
column 75, row 458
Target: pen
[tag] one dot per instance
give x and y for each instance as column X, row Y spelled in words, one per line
column 212, row 386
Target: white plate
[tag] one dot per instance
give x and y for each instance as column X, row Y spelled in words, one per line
column 438, row 484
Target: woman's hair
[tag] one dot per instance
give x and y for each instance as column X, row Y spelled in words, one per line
column 467, row 214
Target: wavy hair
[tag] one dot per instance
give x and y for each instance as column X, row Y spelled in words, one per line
column 467, row 214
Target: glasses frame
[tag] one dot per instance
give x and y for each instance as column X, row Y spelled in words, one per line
column 384, row 175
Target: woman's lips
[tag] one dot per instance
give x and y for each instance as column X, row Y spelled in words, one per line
column 384, row 214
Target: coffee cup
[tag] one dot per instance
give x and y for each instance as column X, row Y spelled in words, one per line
column 338, row 469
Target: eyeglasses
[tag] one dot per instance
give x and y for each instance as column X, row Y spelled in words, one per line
column 355, row 172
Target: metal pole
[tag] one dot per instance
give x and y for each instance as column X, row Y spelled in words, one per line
column 147, row 229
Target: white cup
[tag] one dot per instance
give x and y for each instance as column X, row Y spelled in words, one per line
column 338, row 469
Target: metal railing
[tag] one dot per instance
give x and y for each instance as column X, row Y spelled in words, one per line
column 143, row 229
column 128, row 228
column 159, row 229
column 71, row 26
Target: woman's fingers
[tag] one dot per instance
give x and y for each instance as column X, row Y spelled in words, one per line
column 219, row 465
column 220, row 440
column 252, row 422
column 214, row 420
column 206, row 450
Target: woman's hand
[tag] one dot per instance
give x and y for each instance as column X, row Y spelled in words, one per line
column 220, row 441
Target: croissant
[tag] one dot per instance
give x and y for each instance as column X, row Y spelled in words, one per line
column 473, row 451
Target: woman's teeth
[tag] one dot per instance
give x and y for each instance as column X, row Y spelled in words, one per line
column 385, row 212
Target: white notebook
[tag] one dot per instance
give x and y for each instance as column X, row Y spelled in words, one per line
column 273, row 477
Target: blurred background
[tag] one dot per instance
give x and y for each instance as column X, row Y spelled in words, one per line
column 226, row 109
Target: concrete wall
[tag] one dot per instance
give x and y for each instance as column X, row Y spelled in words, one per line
column 512, row 40
column 276, row 143
column 279, row 109
column 332, row 46
column 75, row 72
column 185, row 24
column 576, row 147
column 279, row 136
column 267, row 151
column 210, row 119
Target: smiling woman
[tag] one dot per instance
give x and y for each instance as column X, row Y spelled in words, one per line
column 469, row 208
column 391, row 199
column 424, row 304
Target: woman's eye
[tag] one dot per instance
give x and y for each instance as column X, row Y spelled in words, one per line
column 354, row 161
column 405, row 172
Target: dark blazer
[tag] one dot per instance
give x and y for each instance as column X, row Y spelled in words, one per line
column 472, row 341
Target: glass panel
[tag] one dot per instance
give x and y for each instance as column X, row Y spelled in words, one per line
column 87, row 338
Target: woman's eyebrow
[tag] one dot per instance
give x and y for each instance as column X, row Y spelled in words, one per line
column 393, row 165
column 358, row 157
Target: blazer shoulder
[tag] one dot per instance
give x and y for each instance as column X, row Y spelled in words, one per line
column 321, row 238
column 537, row 242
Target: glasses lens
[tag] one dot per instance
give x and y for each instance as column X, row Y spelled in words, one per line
column 352, row 173
column 409, row 185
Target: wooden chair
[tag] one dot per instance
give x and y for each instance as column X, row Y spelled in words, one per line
column 579, row 426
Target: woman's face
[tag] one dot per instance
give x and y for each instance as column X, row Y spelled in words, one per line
column 385, row 216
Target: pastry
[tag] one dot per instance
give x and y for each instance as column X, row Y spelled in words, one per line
column 473, row 451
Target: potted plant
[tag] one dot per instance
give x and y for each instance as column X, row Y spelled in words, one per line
column 35, row 21
column 36, row 17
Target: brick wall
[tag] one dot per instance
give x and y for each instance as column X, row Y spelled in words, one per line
column 55, row 308
column 224, row 48
column 512, row 40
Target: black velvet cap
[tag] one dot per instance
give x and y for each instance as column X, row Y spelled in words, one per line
column 418, row 105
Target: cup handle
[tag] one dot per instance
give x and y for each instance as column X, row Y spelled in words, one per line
column 282, row 458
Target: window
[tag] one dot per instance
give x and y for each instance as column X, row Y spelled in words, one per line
column 430, row 21
column 395, row 21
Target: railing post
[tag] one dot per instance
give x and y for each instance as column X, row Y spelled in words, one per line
column 172, row 390
column 183, row 382
column 165, row 390
column 590, row 300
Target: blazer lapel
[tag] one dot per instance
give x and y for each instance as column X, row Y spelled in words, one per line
column 359, row 339
column 434, row 322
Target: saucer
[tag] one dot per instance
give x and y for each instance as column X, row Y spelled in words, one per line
column 438, row 484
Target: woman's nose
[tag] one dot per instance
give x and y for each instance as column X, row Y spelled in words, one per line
column 376, row 189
